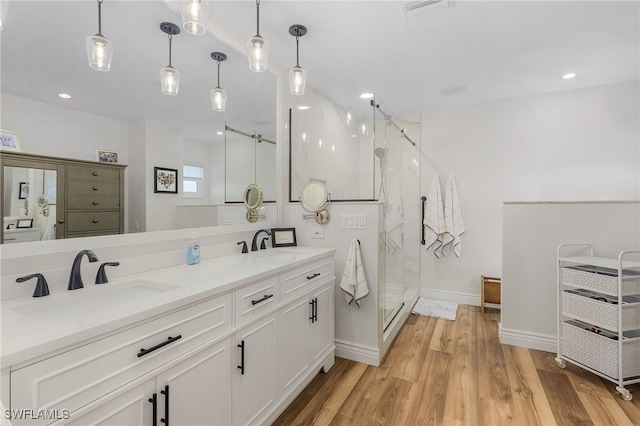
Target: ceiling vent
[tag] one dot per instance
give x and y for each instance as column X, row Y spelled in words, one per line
column 417, row 8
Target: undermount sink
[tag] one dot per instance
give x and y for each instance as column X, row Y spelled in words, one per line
column 90, row 299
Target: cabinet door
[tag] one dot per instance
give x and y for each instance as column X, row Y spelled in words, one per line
column 130, row 408
column 198, row 387
column 321, row 329
column 254, row 389
column 293, row 337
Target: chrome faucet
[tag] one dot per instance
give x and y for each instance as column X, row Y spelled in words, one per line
column 254, row 244
column 75, row 279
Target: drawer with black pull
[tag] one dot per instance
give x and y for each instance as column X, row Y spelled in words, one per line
column 74, row 378
column 256, row 299
column 301, row 279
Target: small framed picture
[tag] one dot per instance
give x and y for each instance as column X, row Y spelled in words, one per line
column 106, row 156
column 24, row 190
column 165, row 180
column 24, row 223
column 283, row 237
column 9, row 141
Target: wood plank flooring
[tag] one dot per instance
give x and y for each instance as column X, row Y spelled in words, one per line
column 441, row 372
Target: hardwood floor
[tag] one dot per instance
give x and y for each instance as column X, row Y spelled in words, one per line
column 441, row 372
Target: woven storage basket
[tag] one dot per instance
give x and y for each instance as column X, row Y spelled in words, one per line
column 600, row 353
column 600, row 314
column 601, row 283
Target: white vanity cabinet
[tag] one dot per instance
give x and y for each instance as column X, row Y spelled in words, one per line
column 236, row 358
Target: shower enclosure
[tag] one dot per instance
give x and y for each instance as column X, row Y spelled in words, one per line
column 397, row 172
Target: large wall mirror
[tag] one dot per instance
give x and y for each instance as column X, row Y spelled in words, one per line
column 43, row 55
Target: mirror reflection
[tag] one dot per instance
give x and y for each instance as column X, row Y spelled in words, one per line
column 123, row 111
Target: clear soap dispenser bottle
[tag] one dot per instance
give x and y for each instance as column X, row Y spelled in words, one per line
column 193, row 251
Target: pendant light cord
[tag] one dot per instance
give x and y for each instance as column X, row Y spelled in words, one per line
column 170, row 39
column 258, row 17
column 100, row 18
column 297, row 51
column 218, row 75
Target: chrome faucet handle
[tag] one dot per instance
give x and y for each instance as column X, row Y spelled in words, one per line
column 244, row 246
column 42, row 289
column 101, row 276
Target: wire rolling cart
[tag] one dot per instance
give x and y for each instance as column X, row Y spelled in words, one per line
column 598, row 302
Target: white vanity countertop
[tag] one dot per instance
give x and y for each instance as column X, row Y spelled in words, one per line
column 32, row 327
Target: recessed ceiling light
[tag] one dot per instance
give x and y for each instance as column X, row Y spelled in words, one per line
column 64, row 95
column 303, row 107
column 220, row 133
column 366, row 96
column 569, row 76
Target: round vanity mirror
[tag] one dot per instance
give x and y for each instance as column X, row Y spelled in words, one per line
column 43, row 201
column 253, row 198
column 314, row 198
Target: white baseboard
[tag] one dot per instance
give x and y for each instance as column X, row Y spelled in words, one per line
column 542, row 342
column 450, row 296
column 359, row 353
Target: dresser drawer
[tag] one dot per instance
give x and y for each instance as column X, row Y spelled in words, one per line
column 92, row 221
column 93, row 173
column 81, row 187
column 75, row 378
column 297, row 281
column 96, row 202
column 256, row 299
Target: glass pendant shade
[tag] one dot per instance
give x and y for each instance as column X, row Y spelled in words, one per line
column 99, row 52
column 194, row 14
column 169, row 80
column 297, row 80
column 218, row 99
column 258, row 53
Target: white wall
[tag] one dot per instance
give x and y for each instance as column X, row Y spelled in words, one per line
column 574, row 145
column 61, row 132
column 532, row 233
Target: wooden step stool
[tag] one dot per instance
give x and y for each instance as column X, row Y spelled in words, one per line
column 490, row 291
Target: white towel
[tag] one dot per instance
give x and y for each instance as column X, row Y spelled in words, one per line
column 434, row 216
column 353, row 283
column 454, row 226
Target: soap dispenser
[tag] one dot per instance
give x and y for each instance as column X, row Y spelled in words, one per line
column 193, row 250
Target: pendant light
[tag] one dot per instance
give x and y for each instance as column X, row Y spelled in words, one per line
column 99, row 49
column 257, row 47
column 169, row 76
column 218, row 95
column 194, row 14
column 297, row 75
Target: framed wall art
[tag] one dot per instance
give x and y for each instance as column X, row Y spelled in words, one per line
column 283, row 237
column 165, row 180
column 9, row 141
column 107, row 156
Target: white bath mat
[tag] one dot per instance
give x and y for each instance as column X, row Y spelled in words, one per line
column 436, row 308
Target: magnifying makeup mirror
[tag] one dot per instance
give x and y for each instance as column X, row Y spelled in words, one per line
column 43, row 205
column 253, row 198
column 315, row 198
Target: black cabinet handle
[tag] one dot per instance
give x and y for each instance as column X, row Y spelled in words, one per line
column 266, row 296
column 315, row 309
column 154, row 401
column 170, row 339
column 317, row 274
column 312, row 317
column 165, row 392
column 241, row 366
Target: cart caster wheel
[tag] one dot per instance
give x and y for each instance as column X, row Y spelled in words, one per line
column 561, row 363
column 626, row 395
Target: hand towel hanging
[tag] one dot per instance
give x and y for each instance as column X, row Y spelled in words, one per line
column 454, row 225
column 353, row 282
column 434, row 217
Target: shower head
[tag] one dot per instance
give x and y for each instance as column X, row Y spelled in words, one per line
column 380, row 152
